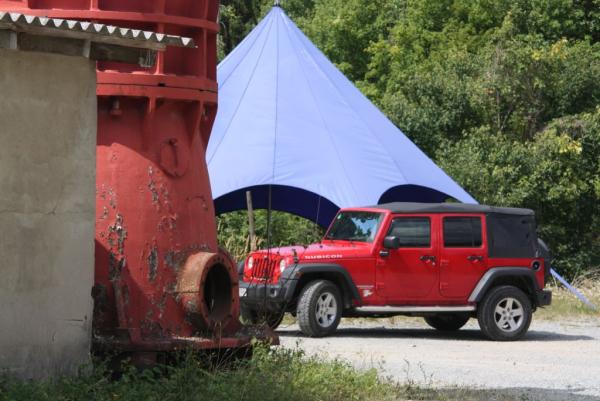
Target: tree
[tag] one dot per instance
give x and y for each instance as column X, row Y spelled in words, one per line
column 557, row 174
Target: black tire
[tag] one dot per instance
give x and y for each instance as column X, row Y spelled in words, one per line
column 504, row 314
column 319, row 308
column 447, row 321
column 271, row 319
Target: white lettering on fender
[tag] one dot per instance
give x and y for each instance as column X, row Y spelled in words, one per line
column 367, row 290
column 323, row 256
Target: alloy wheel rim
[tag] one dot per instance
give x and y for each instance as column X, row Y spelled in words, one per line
column 509, row 315
column 326, row 309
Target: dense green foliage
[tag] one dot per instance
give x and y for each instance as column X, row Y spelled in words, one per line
column 286, row 229
column 503, row 94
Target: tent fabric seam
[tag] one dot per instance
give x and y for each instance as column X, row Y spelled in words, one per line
column 242, row 58
column 337, row 152
column 241, row 98
column 275, row 128
column 379, row 140
column 359, row 116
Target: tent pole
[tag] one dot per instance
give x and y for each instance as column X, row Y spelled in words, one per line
column 269, row 219
column 251, row 227
column 317, row 219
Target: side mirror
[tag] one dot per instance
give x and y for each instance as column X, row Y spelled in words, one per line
column 391, row 242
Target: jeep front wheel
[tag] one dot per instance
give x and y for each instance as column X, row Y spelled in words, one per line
column 504, row 314
column 319, row 308
column 447, row 322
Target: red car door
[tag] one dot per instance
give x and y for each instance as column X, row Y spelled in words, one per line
column 409, row 275
column 463, row 254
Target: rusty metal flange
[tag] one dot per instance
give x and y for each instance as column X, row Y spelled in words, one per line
column 207, row 290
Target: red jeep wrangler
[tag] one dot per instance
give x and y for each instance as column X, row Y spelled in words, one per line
column 445, row 262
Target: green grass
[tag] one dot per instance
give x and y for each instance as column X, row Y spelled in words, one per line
column 271, row 374
column 566, row 306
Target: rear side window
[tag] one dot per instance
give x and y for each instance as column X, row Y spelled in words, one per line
column 462, row 232
column 413, row 232
column 511, row 236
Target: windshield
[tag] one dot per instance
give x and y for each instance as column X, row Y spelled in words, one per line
column 354, row 226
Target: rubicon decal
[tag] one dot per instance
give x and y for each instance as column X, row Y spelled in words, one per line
column 323, row 256
column 367, row 290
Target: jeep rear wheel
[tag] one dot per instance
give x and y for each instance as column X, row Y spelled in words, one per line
column 447, row 322
column 505, row 314
column 319, row 308
column 271, row 319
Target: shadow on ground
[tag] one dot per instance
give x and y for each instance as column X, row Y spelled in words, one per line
column 461, row 335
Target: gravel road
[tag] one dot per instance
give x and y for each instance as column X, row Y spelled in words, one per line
column 555, row 361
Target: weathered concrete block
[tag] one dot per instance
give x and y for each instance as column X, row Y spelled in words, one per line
column 47, row 212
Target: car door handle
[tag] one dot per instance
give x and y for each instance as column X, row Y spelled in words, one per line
column 426, row 258
column 475, row 258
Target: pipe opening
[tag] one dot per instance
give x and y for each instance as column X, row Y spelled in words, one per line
column 217, row 293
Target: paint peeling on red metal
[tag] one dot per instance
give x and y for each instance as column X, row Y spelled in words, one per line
column 155, row 224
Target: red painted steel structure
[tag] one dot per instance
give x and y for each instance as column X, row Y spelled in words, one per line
column 160, row 280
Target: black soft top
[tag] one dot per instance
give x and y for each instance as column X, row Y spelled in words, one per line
column 511, row 232
column 412, row 207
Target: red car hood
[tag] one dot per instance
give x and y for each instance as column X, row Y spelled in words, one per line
column 323, row 251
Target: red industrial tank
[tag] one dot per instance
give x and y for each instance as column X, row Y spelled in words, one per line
column 161, row 282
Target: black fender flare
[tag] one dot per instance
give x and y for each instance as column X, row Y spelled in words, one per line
column 493, row 274
column 292, row 276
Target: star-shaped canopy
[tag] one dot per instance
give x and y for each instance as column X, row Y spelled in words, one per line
column 294, row 130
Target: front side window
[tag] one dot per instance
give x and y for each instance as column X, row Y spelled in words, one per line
column 413, row 232
column 355, row 226
column 462, row 232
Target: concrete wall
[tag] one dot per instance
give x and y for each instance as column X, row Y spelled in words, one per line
column 47, row 212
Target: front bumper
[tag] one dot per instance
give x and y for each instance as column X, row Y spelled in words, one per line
column 543, row 297
column 272, row 297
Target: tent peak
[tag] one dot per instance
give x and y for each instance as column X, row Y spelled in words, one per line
column 277, row 3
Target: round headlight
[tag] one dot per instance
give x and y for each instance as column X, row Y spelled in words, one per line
column 282, row 265
column 250, row 262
